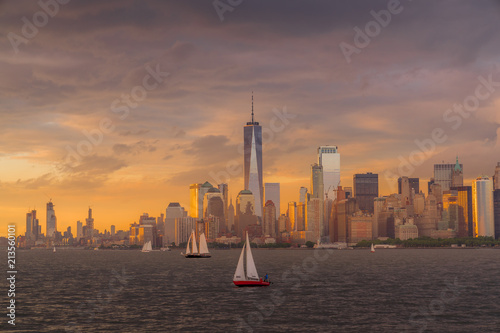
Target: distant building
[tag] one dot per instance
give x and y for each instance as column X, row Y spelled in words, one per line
column 496, row 177
column 292, row 216
column 230, row 217
column 406, row 231
column 365, row 188
column 359, row 227
column 329, row 160
column 89, row 223
column 482, row 196
column 252, row 136
column 79, row 230
column 448, row 175
column 113, row 229
column 414, row 183
column 465, row 212
column 51, row 221
column 224, row 191
column 269, row 221
column 272, row 192
column 245, row 216
column 496, row 204
column 183, row 228
column 194, row 193
column 173, row 211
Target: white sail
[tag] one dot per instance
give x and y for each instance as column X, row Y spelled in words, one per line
column 195, row 247
column 147, row 247
column 251, row 269
column 188, row 247
column 373, row 248
column 239, row 274
column 203, row 244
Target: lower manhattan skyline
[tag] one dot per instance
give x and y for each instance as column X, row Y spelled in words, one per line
column 85, row 125
column 250, row 165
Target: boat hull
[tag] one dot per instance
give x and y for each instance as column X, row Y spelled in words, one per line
column 251, row 283
column 199, row 256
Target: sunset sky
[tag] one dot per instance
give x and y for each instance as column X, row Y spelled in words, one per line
column 75, row 75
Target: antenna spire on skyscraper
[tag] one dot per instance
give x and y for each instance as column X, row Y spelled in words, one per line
column 252, row 106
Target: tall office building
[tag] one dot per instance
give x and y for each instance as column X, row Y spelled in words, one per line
column 230, row 216
column 245, row 211
column 269, row 221
column 51, row 224
column 465, row 212
column 448, row 175
column 413, row 182
column 365, row 190
column 173, row 211
column 292, row 216
column 89, row 223
column 194, row 193
column 32, row 226
column 272, row 192
column 303, row 195
column 315, row 210
column 201, row 198
column 252, row 135
column 482, row 196
column 317, row 181
column 113, row 230
column 224, row 190
column 329, row 159
column 496, row 177
column 496, row 207
column 79, row 230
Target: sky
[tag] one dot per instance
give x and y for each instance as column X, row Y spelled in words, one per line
column 121, row 105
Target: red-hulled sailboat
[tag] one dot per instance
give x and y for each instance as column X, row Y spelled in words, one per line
column 251, row 278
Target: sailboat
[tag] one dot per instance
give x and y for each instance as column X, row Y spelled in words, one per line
column 372, row 250
column 251, row 278
column 54, row 249
column 147, row 247
column 192, row 250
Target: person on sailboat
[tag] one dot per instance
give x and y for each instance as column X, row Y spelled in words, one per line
column 266, row 278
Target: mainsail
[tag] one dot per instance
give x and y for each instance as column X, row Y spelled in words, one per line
column 251, row 269
column 203, row 244
column 195, row 247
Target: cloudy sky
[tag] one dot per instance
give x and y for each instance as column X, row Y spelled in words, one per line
column 120, row 105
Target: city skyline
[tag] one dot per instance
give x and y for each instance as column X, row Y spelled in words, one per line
column 386, row 112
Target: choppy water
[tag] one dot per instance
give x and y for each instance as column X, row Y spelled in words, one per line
column 448, row 290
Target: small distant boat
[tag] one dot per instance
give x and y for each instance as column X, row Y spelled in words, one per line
column 147, row 247
column 372, row 250
column 192, row 250
column 251, row 277
column 165, row 249
column 54, row 250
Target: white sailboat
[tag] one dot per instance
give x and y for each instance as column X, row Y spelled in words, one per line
column 147, row 247
column 250, row 278
column 192, row 250
column 54, row 249
column 372, row 250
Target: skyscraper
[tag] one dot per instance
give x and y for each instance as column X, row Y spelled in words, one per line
column 315, row 208
column 224, row 190
column 448, row 175
column 413, row 182
column 496, row 207
column 194, row 193
column 173, row 211
column 482, row 196
column 269, row 221
column 365, row 190
column 79, row 230
column 51, row 224
column 245, row 216
column 201, row 198
column 252, row 135
column 329, row 159
column 272, row 192
column 465, row 213
column 90, row 225
column 496, row 177
column 32, row 226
